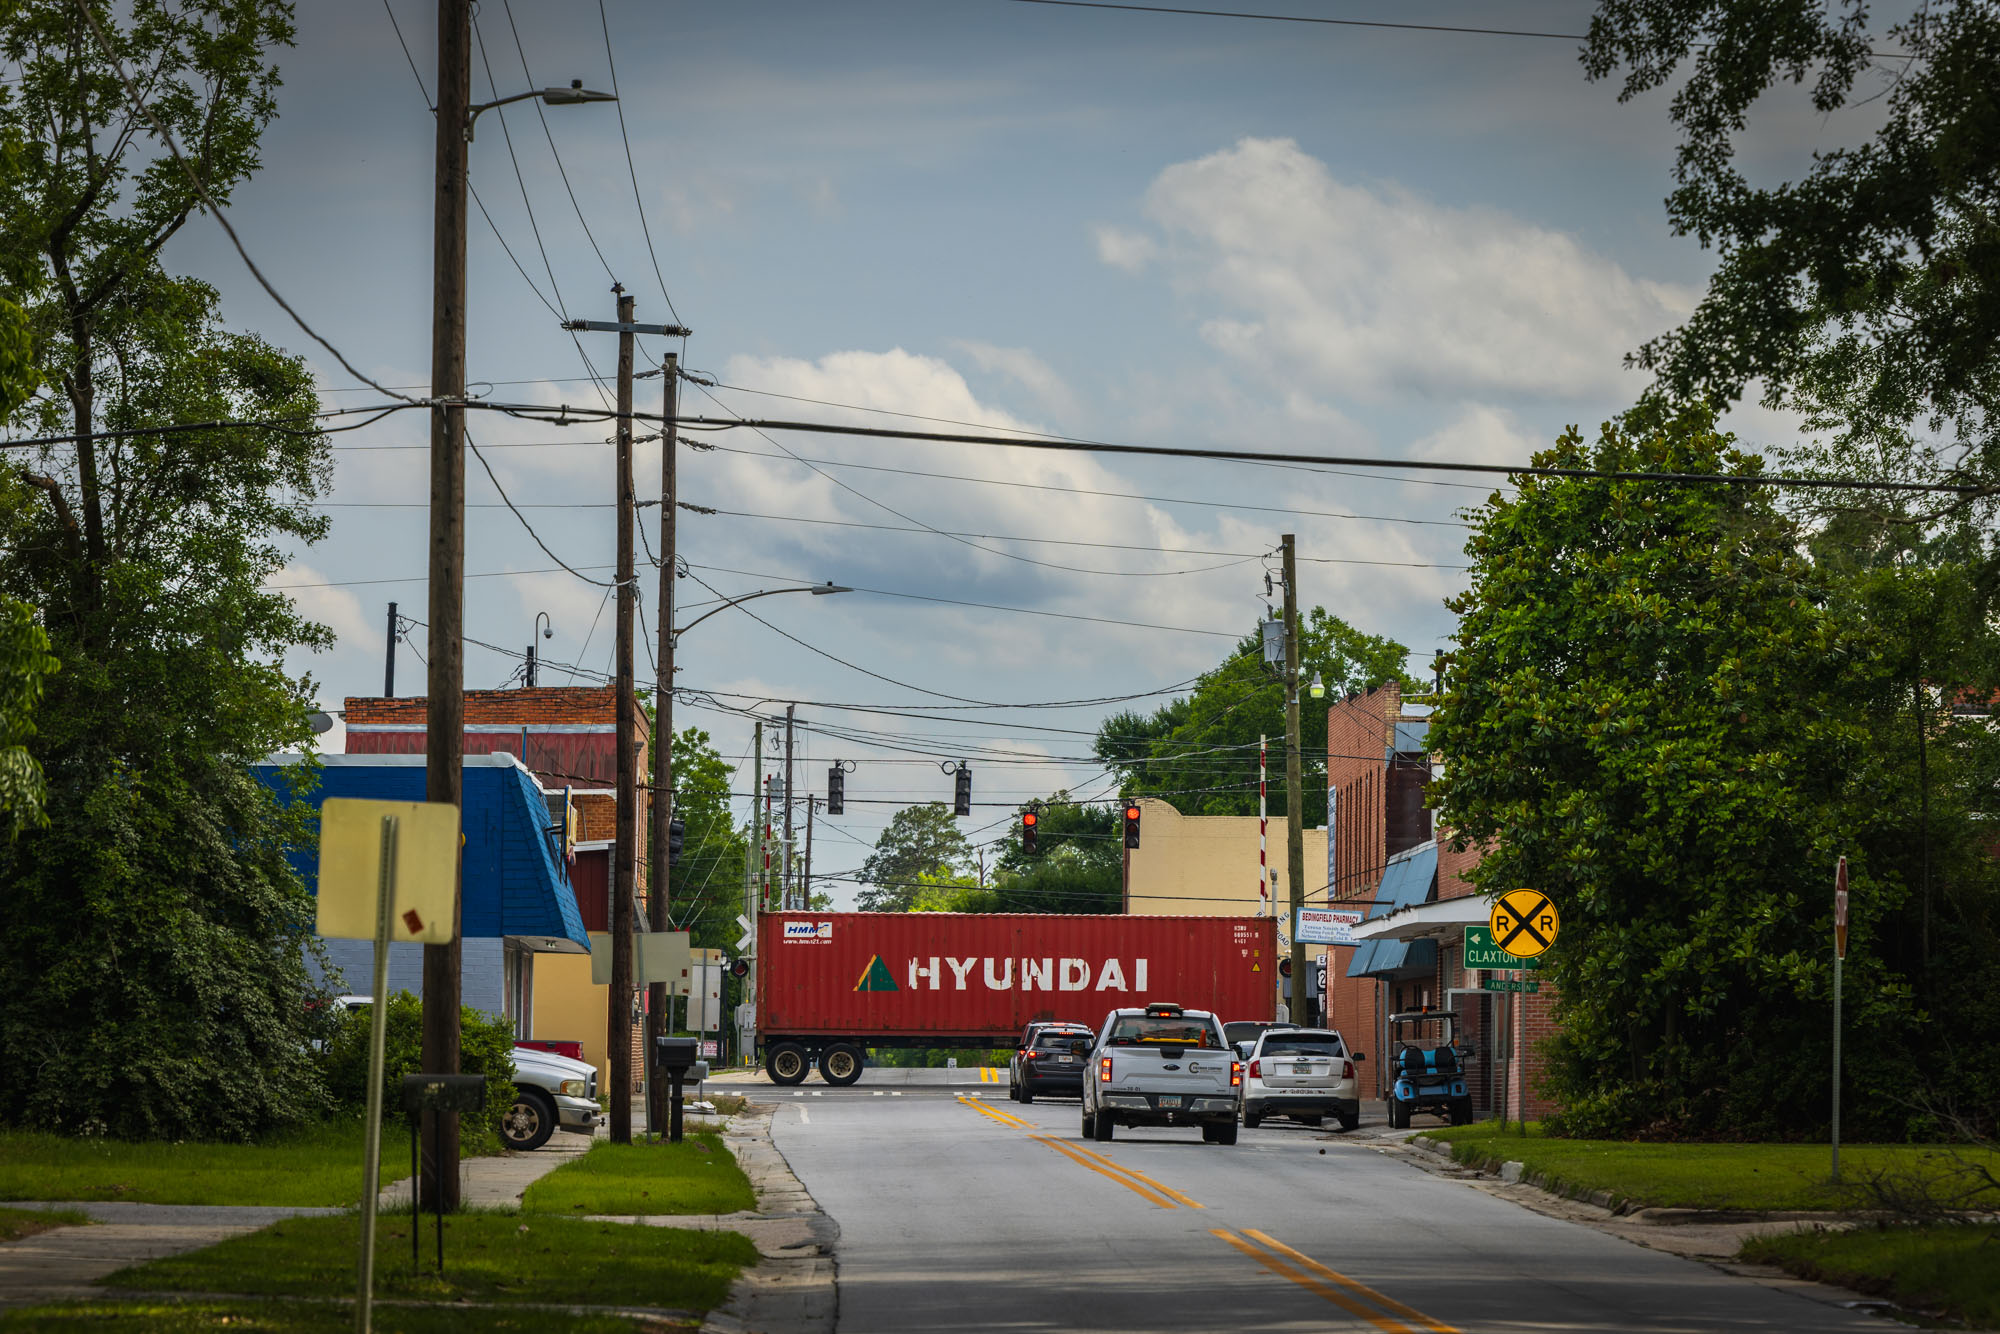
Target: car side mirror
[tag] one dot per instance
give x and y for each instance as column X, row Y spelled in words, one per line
column 1243, row 1050
column 1358, row 1056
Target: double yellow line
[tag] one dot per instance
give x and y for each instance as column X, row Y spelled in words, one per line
column 1137, row 1182
column 1392, row 1317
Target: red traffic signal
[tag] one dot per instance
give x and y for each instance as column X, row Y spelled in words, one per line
column 1029, row 821
column 1132, row 825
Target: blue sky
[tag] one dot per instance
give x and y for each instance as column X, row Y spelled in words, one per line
column 1132, row 227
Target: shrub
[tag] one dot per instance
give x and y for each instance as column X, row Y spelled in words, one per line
column 486, row 1047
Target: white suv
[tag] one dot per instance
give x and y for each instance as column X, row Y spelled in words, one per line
column 1303, row 1073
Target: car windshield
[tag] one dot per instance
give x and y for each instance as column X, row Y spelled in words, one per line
column 1168, row 1030
column 1304, row 1044
column 1059, row 1038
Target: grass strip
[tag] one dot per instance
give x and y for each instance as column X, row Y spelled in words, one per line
column 167, row 1317
column 487, row 1258
column 696, row 1176
column 1952, row 1269
column 319, row 1166
column 18, row 1223
column 1707, row 1176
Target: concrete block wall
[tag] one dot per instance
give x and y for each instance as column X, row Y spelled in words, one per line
column 482, row 980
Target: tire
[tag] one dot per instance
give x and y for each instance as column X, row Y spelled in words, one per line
column 1013, row 1092
column 1225, row 1133
column 1210, row 1132
column 1027, row 1094
column 1252, row 1118
column 1350, row 1122
column 1089, row 1126
column 1461, row 1111
column 1101, row 1131
column 1399, row 1115
column 787, row 1063
column 529, row 1121
column 840, row 1064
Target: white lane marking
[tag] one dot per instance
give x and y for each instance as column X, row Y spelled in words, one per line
column 877, row 1093
column 896, row 1095
column 799, row 1095
column 819, row 1093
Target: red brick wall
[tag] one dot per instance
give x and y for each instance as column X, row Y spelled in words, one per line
column 1359, row 732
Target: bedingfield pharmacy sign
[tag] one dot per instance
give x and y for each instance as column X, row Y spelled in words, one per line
column 1481, row 952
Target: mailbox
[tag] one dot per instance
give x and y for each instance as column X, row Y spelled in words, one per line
column 676, row 1056
column 464, row 1094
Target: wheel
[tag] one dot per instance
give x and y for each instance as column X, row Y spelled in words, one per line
column 1101, row 1131
column 1209, row 1132
column 1350, row 1121
column 1089, row 1126
column 1461, row 1111
column 1252, row 1117
column 786, row 1063
column 530, row 1121
column 1399, row 1115
column 1225, row 1132
column 1027, row 1094
column 840, row 1064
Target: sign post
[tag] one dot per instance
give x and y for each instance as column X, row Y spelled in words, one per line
column 388, row 871
column 1839, row 955
column 1524, row 925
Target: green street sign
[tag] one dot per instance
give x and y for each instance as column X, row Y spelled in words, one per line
column 1508, row 984
column 1481, row 952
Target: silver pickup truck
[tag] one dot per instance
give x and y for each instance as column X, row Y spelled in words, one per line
column 1162, row 1066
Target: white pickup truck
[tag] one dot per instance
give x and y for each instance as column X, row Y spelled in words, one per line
column 1162, row 1066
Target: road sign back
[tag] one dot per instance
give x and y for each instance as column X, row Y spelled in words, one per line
column 1524, row 923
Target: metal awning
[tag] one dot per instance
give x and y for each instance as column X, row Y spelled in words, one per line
column 1425, row 921
column 1406, row 882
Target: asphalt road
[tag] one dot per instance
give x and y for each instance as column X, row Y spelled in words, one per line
column 963, row 1213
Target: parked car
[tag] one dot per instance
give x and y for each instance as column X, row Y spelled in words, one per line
column 1306, row 1074
column 1047, row 1061
column 1162, row 1066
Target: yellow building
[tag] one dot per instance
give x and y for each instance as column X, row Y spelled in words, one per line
column 1206, row 865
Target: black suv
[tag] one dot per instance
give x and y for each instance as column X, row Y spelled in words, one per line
column 1046, row 1062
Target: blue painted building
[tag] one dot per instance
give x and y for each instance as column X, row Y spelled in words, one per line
column 516, row 897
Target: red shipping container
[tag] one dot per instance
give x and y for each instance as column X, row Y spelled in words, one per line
column 981, row 977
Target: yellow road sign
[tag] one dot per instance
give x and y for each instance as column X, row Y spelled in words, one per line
column 1524, row 923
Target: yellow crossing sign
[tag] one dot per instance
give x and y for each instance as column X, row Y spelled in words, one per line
column 1525, row 923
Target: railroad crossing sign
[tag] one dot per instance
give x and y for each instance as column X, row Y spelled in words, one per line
column 1524, row 923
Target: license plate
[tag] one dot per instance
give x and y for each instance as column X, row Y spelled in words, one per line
column 1170, row 1100
column 1302, row 1069
column 1065, row 1060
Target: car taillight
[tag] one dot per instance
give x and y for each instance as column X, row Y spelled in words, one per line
column 1256, row 1069
column 1104, row 1069
column 1236, row 1074
column 1027, row 1056
column 1347, row 1069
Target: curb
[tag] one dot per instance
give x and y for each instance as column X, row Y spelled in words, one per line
column 792, row 1289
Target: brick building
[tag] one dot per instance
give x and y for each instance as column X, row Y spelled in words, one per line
column 566, row 736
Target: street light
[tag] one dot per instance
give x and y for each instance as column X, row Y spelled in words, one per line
column 1318, row 687
column 817, row 590
column 547, row 632
column 555, row 97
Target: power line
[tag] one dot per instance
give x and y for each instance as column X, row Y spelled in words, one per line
column 638, row 202
column 1297, row 18
column 600, row 583
column 508, row 9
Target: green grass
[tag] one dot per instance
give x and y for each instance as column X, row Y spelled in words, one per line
column 1703, row 1176
column 487, row 1258
column 320, row 1166
column 696, row 1176
column 18, row 1223
column 1953, row 1269
column 158, row 1317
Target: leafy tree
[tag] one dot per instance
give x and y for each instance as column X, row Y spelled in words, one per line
column 151, row 936
column 1199, row 751
column 488, row 1049
column 706, row 892
column 1078, row 865
column 920, row 841
column 1651, row 716
column 1881, row 266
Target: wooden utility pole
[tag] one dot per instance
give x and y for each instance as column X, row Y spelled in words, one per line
column 759, row 815
column 1295, row 851
column 389, row 662
column 444, row 699
column 618, row 1038
column 661, row 876
column 785, row 869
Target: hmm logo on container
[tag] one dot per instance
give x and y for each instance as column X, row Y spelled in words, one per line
column 808, row 932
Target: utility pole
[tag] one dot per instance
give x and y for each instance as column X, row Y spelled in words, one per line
column 626, row 866
column 785, row 875
column 758, row 804
column 389, row 660
column 1295, row 852
column 444, row 696
column 660, row 879
column 806, row 884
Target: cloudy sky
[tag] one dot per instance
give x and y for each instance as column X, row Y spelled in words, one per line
column 1132, row 227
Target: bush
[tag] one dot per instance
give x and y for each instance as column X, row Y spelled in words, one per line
column 486, row 1047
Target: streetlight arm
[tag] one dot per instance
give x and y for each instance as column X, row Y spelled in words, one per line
column 817, row 590
column 555, row 97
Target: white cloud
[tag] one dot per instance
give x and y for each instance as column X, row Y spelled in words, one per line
column 1027, row 370
column 1372, row 290
column 1479, row 434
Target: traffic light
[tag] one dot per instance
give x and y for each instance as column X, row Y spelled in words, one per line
column 836, row 790
column 1028, row 822
column 1132, row 825
column 1284, row 968
column 961, row 801
column 739, row 968
column 676, row 839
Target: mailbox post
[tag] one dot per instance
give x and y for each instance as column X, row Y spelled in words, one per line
column 462, row 1094
column 674, row 1057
